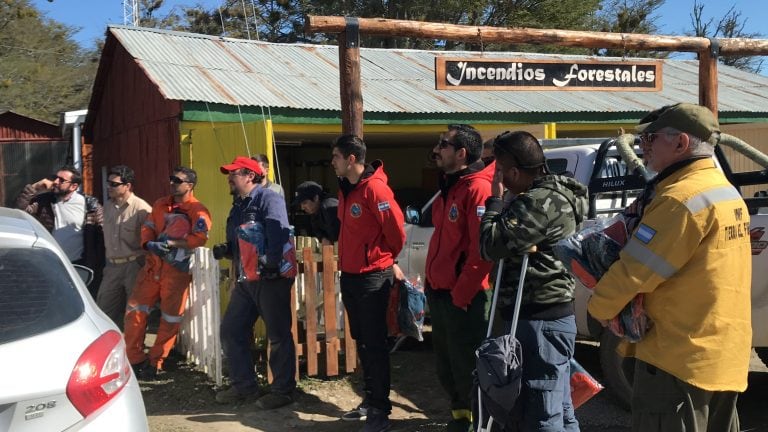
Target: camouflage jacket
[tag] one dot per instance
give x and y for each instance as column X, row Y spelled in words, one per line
column 545, row 214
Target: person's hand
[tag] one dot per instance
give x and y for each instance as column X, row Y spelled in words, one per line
column 220, row 251
column 43, row 185
column 270, row 273
column 497, row 184
column 398, row 272
column 158, row 248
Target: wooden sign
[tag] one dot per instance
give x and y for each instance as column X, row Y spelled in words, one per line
column 527, row 74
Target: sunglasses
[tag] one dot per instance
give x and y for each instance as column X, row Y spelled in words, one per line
column 444, row 144
column 62, row 180
column 114, row 184
column 648, row 138
column 176, row 180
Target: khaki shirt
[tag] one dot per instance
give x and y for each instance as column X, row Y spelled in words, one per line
column 122, row 227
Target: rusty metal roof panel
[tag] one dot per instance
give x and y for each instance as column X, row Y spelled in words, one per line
column 240, row 72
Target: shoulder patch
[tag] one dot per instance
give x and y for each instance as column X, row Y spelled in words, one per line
column 453, row 213
column 480, row 211
column 645, row 233
column 200, row 225
column 383, row 206
column 355, row 210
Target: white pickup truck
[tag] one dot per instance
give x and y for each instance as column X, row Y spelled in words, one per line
column 612, row 186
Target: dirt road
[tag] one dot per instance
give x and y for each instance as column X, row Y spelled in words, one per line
column 183, row 401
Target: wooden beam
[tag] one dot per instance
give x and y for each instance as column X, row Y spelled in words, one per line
column 572, row 38
column 743, row 47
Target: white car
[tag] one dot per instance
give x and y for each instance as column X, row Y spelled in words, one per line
column 63, row 365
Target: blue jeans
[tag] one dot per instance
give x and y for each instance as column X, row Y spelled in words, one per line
column 271, row 300
column 545, row 400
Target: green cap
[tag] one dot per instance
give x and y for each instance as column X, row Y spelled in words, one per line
column 685, row 117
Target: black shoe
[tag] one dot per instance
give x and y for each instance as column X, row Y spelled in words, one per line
column 357, row 414
column 376, row 421
column 273, row 400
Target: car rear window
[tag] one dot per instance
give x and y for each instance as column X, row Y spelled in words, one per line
column 36, row 293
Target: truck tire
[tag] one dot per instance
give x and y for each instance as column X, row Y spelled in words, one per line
column 763, row 354
column 618, row 371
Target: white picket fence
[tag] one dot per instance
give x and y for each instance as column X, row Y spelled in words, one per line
column 199, row 334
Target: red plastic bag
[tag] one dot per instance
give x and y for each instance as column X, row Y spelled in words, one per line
column 583, row 385
column 393, row 328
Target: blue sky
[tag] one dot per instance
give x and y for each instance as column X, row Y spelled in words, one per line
column 92, row 16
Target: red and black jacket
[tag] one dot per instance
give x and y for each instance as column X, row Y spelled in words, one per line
column 372, row 232
column 453, row 260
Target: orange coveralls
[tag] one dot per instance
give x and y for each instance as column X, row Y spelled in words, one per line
column 159, row 280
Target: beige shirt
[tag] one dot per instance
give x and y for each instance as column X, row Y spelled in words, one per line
column 122, row 227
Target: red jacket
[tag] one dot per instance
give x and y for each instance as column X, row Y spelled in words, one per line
column 372, row 232
column 453, row 259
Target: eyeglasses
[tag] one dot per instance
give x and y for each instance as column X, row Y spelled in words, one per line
column 114, row 184
column 649, row 138
column 62, row 180
column 176, row 180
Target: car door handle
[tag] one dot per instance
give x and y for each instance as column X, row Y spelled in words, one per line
column 416, row 245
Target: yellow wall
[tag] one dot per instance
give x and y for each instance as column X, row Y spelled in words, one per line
column 205, row 147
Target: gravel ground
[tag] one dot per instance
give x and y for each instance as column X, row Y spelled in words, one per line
column 183, row 400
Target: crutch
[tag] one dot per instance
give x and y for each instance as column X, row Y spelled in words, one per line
column 515, row 319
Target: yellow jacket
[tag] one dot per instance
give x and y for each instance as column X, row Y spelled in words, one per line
column 691, row 255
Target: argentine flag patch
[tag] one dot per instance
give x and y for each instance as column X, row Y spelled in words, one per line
column 383, row 206
column 645, row 233
column 480, row 211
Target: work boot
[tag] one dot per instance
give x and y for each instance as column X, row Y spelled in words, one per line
column 147, row 373
column 232, row 395
column 273, row 400
column 459, row 425
column 376, row 421
column 139, row 366
column 357, row 414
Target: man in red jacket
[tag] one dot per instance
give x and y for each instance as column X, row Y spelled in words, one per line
column 457, row 277
column 370, row 239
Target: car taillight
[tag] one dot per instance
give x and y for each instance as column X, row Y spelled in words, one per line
column 99, row 374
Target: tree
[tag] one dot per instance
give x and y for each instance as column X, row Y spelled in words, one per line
column 629, row 16
column 729, row 26
column 43, row 71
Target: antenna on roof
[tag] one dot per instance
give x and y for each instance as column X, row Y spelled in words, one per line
column 131, row 12
column 245, row 13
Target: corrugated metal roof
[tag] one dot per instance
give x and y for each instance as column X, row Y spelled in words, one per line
column 200, row 68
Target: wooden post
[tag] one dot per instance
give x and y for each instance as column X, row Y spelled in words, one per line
column 708, row 78
column 350, row 349
column 349, row 79
column 310, row 301
column 329, row 311
column 295, row 327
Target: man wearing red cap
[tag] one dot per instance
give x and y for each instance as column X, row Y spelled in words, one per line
column 260, row 246
column 178, row 223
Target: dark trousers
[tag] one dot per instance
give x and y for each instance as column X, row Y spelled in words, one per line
column 545, row 401
column 270, row 300
column 365, row 298
column 663, row 403
column 456, row 334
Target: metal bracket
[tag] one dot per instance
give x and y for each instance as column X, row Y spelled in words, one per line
column 352, row 31
column 714, row 47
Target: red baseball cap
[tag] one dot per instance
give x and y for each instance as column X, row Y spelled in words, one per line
column 242, row 162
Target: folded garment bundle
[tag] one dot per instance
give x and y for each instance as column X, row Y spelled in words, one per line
column 588, row 254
